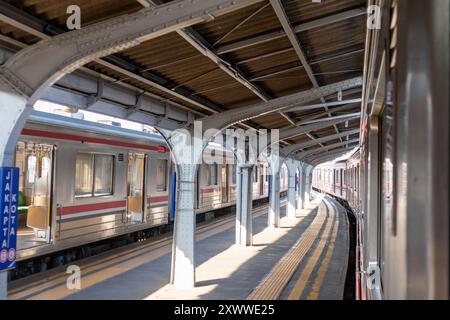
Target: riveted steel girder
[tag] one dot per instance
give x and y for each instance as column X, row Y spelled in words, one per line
column 327, row 156
column 304, row 154
column 228, row 118
column 299, row 28
column 288, row 133
column 287, row 151
column 31, row 71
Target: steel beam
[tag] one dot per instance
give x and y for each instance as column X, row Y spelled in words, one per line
column 303, row 155
column 244, row 219
column 309, row 119
column 287, row 151
column 287, row 133
column 292, row 166
column 231, row 117
column 284, row 20
column 325, row 119
column 323, row 105
column 197, row 41
column 201, row 45
column 299, row 28
column 329, row 155
column 25, row 21
column 30, row 72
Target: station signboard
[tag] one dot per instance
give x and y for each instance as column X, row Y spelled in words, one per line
column 9, row 196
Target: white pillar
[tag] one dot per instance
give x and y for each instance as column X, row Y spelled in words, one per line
column 303, row 186
column 274, row 197
column 292, row 195
column 299, row 189
column 183, row 258
column 13, row 113
column 244, row 218
column 307, row 192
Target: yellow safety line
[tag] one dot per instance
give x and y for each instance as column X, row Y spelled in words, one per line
column 272, row 286
column 315, row 290
column 300, row 285
column 121, row 255
column 60, row 278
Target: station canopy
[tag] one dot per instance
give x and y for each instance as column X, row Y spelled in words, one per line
column 266, row 50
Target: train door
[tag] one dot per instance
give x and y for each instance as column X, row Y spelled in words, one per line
column 225, row 183
column 35, row 162
column 135, row 188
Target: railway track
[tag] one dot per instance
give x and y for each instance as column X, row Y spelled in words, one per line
column 51, row 284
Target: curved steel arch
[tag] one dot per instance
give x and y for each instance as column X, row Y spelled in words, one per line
column 31, row 71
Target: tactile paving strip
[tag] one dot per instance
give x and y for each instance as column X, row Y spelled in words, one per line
column 273, row 285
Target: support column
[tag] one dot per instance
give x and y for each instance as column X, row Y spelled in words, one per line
column 307, row 192
column 14, row 114
column 299, row 189
column 303, row 186
column 292, row 195
column 183, row 258
column 244, row 218
column 274, row 197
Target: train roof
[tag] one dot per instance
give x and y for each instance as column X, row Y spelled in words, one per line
column 93, row 127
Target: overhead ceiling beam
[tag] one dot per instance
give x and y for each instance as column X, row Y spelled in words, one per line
column 202, row 46
column 288, row 133
column 333, row 154
column 299, row 28
column 316, row 160
column 292, row 36
column 231, row 117
column 287, row 151
column 323, row 149
column 267, row 76
column 26, row 22
column 31, row 72
column 323, row 105
column 325, row 119
column 307, row 120
column 199, row 43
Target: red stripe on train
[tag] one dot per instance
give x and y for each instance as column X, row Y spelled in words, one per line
column 72, row 137
column 209, row 190
column 91, row 207
column 158, row 199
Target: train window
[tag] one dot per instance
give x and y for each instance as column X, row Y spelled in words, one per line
column 104, row 168
column 94, row 175
column 31, row 169
column 84, row 175
column 161, row 175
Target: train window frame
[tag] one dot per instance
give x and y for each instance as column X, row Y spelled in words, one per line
column 166, row 166
column 93, row 193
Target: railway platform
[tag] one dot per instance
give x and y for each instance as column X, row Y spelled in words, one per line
column 306, row 258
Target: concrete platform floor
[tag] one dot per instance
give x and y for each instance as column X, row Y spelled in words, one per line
column 142, row 271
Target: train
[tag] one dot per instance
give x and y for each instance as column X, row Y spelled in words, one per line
column 396, row 182
column 82, row 182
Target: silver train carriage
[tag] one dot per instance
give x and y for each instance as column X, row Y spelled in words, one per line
column 397, row 182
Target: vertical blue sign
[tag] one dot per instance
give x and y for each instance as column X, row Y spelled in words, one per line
column 9, row 196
